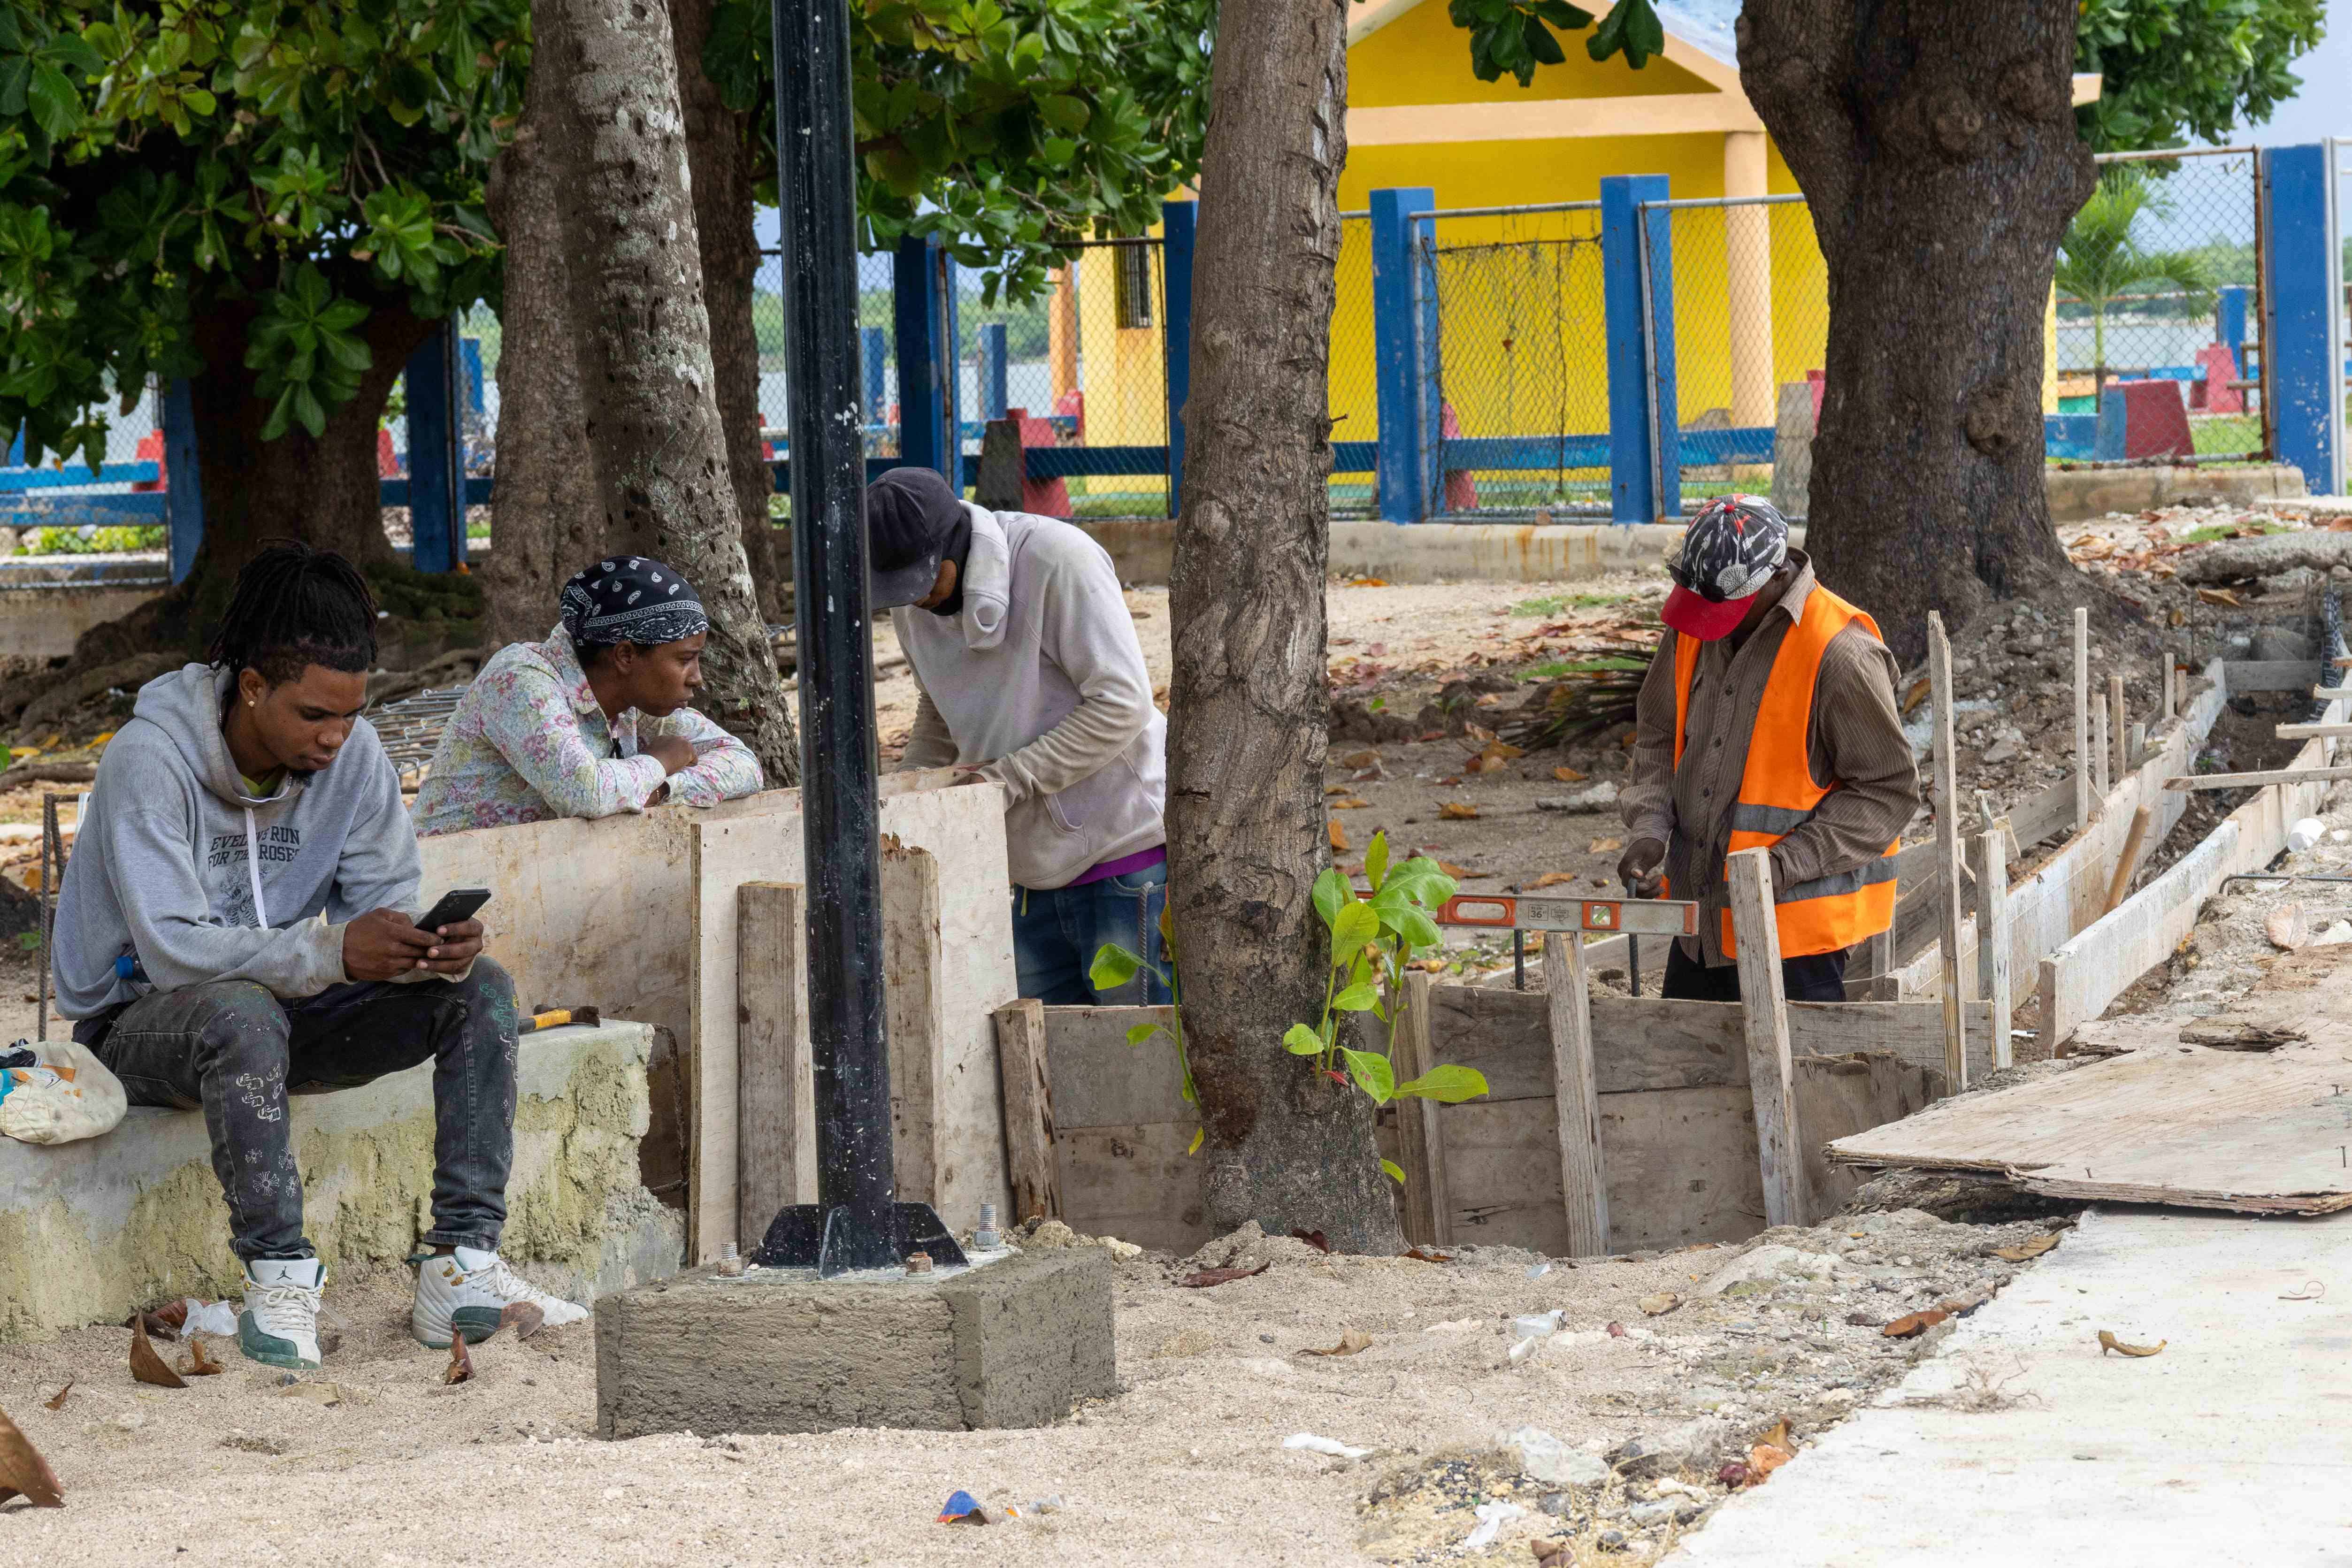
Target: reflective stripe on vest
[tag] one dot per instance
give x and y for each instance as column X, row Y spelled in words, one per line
column 1778, row 795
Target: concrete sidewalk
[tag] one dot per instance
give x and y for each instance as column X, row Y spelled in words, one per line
column 2233, row 1446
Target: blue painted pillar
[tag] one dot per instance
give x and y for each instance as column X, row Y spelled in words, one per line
column 1644, row 456
column 436, row 467
column 183, row 498
column 2305, row 366
column 874, row 352
column 994, row 391
column 924, row 309
column 1404, row 352
column 2229, row 319
column 472, row 349
column 1177, row 225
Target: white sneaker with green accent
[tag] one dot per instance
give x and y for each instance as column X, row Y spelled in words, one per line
column 463, row 1293
column 279, row 1325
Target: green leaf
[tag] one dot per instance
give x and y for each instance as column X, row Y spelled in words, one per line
column 1394, row 1171
column 1143, row 1031
column 1376, row 860
column 1373, row 1073
column 1361, row 998
column 1301, row 1039
column 1064, row 112
column 56, row 107
column 1114, row 966
column 1333, row 895
column 1541, row 43
column 1354, row 926
column 1195, row 1146
column 1450, row 1083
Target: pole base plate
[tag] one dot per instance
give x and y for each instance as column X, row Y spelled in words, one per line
column 845, row 1238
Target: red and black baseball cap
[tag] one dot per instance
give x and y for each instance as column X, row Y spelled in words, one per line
column 1730, row 551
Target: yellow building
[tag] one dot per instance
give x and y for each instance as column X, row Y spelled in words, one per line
column 1521, row 294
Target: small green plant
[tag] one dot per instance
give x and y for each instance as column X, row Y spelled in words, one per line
column 30, row 941
column 1553, row 604
column 1372, row 940
column 1114, row 967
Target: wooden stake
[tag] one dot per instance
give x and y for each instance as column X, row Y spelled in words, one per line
column 1948, row 836
column 2254, row 780
column 2082, row 795
column 2099, row 777
column 2129, row 861
column 1771, row 1077
column 2136, row 747
column 1421, row 1140
column 2118, row 731
column 2171, row 705
column 775, row 1083
column 1992, row 923
column 1582, row 1178
column 1028, row 1110
column 2315, row 731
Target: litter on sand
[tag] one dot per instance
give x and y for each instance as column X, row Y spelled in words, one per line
column 962, row 1508
column 1309, row 1443
column 1492, row 1517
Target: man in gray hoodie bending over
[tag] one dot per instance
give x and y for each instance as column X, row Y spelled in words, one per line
column 238, row 923
column 1031, row 677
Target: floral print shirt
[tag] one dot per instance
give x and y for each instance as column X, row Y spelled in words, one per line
column 527, row 742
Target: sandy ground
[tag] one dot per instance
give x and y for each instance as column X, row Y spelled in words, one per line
column 1185, row 1466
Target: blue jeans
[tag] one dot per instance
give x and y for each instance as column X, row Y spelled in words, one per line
column 1056, row 933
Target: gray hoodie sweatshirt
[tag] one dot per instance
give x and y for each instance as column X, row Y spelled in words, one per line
column 176, row 864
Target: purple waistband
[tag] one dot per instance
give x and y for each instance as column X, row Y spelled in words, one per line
column 1104, row 871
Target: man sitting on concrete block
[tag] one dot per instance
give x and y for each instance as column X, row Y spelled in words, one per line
column 593, row 721
column 1766, row 719
column 1031, row 676
column 238, row 923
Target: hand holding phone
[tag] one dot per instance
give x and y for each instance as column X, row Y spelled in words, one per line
column 456, row 905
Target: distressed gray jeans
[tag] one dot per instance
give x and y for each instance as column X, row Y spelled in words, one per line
column 232, row 1050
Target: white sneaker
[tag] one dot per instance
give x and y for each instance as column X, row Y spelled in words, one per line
column 279, row 1325
column 466, row 1290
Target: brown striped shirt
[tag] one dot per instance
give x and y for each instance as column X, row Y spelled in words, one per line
column 1857, row 747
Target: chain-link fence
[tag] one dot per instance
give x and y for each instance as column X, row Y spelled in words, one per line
column 1523, row 398
column 1107, row 375
column 2159, row 278
column 1355, row 386
column 1750, row 324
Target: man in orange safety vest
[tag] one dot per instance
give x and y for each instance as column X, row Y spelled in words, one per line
column 1767, row 719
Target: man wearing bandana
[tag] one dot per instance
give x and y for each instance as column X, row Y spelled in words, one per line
column 593, row 721
column 1031, row 677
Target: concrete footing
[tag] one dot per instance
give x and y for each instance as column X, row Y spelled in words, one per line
column 1014, row 1343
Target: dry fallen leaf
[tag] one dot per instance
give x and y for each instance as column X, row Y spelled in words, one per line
column 1424, row 1255
column 145, row 1365
column 1353, row 803
column 1552, row 879
column 198, row 1362
column 1916, row 1323
column 1568, row 775
column 1456, row 811
column 1338, row 835
column 2287, row 928
column 1314, row 1239
column 1763, row 1459
column 1458, row 872
column 1336, row 789
column 1202, row 1279
column 524, row 1317
column 1916, row 695
column 22, row 1468
column 461, row 1362
column 1602, row 846
column 2218, row 596
column 1360, row 759
column 1659, row 1305
column 2108, row 1341
column 57, row 1401
column 1351, row 1341
column 2034, row 1248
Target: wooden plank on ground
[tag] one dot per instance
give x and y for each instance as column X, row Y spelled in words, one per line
column 2042, row 813
column 1837, row 1095
column 2257, row 1132
column 1101, row 1081
column 1584, row 1192
column 1427, row 1218
column 1021, row 1063
column 1948, row 838
column 1136, row 1183
column 1770, row 1077
column 2315, row 731
column 1992, row 920
column 2083, row 776
column 2258, row 779
column 775, row 1106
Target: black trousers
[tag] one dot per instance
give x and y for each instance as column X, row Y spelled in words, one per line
column 1816, row 977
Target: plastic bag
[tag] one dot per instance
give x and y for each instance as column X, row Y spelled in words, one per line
column 67, row 1094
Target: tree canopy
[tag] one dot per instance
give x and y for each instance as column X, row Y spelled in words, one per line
column 2176, row 69
column 1007, row 127
column 301, row 165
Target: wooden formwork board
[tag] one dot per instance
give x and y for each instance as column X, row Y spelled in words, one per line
column 1678, row 1130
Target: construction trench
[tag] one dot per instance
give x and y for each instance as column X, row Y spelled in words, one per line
column 1669, row 1329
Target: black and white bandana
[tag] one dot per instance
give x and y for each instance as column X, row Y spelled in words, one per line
column 631, row 599
column 1732, row 548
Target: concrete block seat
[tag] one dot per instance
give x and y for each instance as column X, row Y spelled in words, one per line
column 89, row 1230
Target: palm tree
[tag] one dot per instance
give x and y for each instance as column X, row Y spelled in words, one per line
column 2100, row 262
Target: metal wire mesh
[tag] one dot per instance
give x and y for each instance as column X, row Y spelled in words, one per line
column 1750, row 324
column 1522, row 362
column 1355, row 391
column 2159, row 278
column 1107, row 371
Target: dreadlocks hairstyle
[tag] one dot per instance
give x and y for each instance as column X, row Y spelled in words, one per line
column 295, row 606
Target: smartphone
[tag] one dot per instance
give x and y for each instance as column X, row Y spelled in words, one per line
column 458, row 904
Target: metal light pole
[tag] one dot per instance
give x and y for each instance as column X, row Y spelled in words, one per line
column 855, row 1222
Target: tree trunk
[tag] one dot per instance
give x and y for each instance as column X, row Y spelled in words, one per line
column 656, row 448
column 721, row 166
column 1249, row 706
column 547, row 521
column 1941, row 161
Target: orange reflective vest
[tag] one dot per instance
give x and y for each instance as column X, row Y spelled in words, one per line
column 1777, row 792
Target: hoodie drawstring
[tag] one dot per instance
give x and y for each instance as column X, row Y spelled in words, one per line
column 253, row 868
